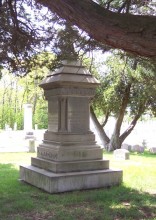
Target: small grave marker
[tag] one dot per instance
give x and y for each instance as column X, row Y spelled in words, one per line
column 122, row 154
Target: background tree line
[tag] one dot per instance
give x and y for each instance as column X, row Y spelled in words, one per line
column 16, row 91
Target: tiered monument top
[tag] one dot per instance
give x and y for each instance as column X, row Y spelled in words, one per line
column 70, row 73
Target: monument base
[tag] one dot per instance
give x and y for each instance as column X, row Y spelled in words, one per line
column 62, row 182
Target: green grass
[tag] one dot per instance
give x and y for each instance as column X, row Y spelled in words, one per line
column 134, row 199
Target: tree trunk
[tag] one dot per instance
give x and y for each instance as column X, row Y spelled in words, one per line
column 115, row 142
column 99, row 128
column 133, row 123
column 132, row 33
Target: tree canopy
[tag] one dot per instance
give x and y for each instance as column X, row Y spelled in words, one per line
column 128, row 90
column 30, row 26
column 132, row 33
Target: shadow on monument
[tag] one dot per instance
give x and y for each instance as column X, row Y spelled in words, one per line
column 23, row 201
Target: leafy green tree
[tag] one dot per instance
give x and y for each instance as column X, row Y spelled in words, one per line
column 15, row 91
column 128, row 89
column 10, row 94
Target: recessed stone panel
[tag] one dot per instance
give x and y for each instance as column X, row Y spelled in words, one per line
column 53, row 115
column 78, row 114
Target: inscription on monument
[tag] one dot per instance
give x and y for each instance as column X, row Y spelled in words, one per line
column 47, row 154
column 81, row 154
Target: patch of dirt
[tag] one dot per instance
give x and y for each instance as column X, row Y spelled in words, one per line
column 146, row 211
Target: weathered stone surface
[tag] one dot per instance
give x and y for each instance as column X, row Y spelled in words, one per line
column 66, row 138
column 69, row 154
column 62, row 182
column 77, row 92
column 137, row 148
column 121, row 154
column 76, row 76
column 72, row 166
column 31, row 145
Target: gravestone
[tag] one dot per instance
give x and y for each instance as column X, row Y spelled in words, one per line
column 137, row 148
column 15, row 126
column 68, row 158
column 28, row 121
column 31, row 145
column 121, row 154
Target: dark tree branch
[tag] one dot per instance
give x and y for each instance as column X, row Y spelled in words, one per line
column 106, row 119
column 122, row 109
column 99, row 127
column 128, row 6
column 132, row 33
column 108, row 4
column 13, row 14
column 133, row 123
column 122, row 6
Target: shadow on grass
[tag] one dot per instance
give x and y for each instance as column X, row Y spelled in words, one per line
column 22, row 202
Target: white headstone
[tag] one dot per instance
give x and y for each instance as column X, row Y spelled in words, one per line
column 121, row 154
column 15, row 126
column 28, row 117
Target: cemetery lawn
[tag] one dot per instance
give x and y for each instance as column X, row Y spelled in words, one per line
column 134, row 199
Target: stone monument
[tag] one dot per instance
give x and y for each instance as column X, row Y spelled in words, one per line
column 69, row 158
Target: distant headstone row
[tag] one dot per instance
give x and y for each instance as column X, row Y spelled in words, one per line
column 137, row 148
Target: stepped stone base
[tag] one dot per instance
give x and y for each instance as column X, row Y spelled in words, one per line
column 63, row 182
column 74, row 166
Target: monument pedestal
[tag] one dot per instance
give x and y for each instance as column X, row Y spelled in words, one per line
column 69, row 158
column 63, row 182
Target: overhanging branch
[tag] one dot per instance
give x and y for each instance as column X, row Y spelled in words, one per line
column 132, row 33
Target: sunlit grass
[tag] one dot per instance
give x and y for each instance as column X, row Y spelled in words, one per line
column 139, row 172
column 134, row 199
